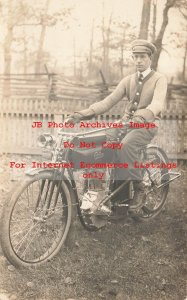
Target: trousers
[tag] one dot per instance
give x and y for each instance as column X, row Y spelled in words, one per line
column 132, row 143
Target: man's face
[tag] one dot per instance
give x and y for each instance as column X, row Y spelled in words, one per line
column 142, row 61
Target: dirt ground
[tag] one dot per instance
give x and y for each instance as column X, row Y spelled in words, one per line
column 124, row 261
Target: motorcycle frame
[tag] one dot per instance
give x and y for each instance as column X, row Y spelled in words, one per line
column 70, row 180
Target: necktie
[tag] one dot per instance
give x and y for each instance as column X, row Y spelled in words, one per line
column 140, row 77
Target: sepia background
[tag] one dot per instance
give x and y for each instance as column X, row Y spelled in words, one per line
column 61, row 56
column 58, row 56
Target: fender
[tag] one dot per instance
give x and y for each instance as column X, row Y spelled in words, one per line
column 171, row 176
column 151, row 146
column 33, row 172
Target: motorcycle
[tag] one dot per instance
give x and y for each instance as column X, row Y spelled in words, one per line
column 37, row 218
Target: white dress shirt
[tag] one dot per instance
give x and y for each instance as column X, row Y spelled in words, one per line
column 145, row 73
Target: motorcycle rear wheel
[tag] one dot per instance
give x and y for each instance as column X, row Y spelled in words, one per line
column 156, row 197
column 33, row 227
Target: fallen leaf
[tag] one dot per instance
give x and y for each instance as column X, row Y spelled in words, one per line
column 114, row 281
column 163, row 282
column 30, row 284
column 68, row 280
column 145, row 239
column 11, row 268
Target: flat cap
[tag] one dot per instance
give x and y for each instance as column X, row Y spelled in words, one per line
column 139, row 46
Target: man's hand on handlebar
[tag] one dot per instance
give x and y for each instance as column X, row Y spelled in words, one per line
column 74, row 118
column 77, row 116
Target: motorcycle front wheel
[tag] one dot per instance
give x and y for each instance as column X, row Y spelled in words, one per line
column 36, row 220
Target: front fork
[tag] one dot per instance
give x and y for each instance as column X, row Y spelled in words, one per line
column 46, row 192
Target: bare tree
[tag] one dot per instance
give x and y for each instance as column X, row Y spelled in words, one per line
column 90, row 63
column 8, row 40
column 12, row 15
column 23, row 13
column 145, row 18
column 182, row 5
column 106, row 34
column 122, row 52
column 122, row 36
column 159, row 38
column 74, row 58
column 184, row 63
column 154, row 20
column 42, row 38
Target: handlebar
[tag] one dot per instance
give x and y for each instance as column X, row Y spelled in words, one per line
column 125, row 126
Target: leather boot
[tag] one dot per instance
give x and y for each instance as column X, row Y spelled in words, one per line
column 139, row 196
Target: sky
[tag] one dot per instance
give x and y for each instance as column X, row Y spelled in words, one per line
column 129, row 11
column 81, row 21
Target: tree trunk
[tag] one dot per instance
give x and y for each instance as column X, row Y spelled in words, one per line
column 74, row 58
column 144, row 25
column 91, row 52
column 154, row 19
column 7, row 51
column 106, row 45
column 122, row 53
column 25, row 58
column 24, row 53
column 158, row 41
column 184, row 64
column 41, row 41
column 8, row 41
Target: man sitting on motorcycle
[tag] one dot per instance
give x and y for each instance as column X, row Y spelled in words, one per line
column 146, row 91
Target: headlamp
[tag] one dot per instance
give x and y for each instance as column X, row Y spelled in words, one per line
column 45, row 140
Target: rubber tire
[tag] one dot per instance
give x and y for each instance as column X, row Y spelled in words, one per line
column 138, row 218
column 6, row 216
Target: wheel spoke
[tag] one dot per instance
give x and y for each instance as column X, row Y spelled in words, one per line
column 39, row 221
column 29, row 243
column 156, row 197
column 23, row 238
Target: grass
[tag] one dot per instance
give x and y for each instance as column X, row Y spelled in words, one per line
column 124, row 261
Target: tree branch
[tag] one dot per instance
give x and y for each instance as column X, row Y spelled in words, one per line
column 185, row 16
column 169, row 4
